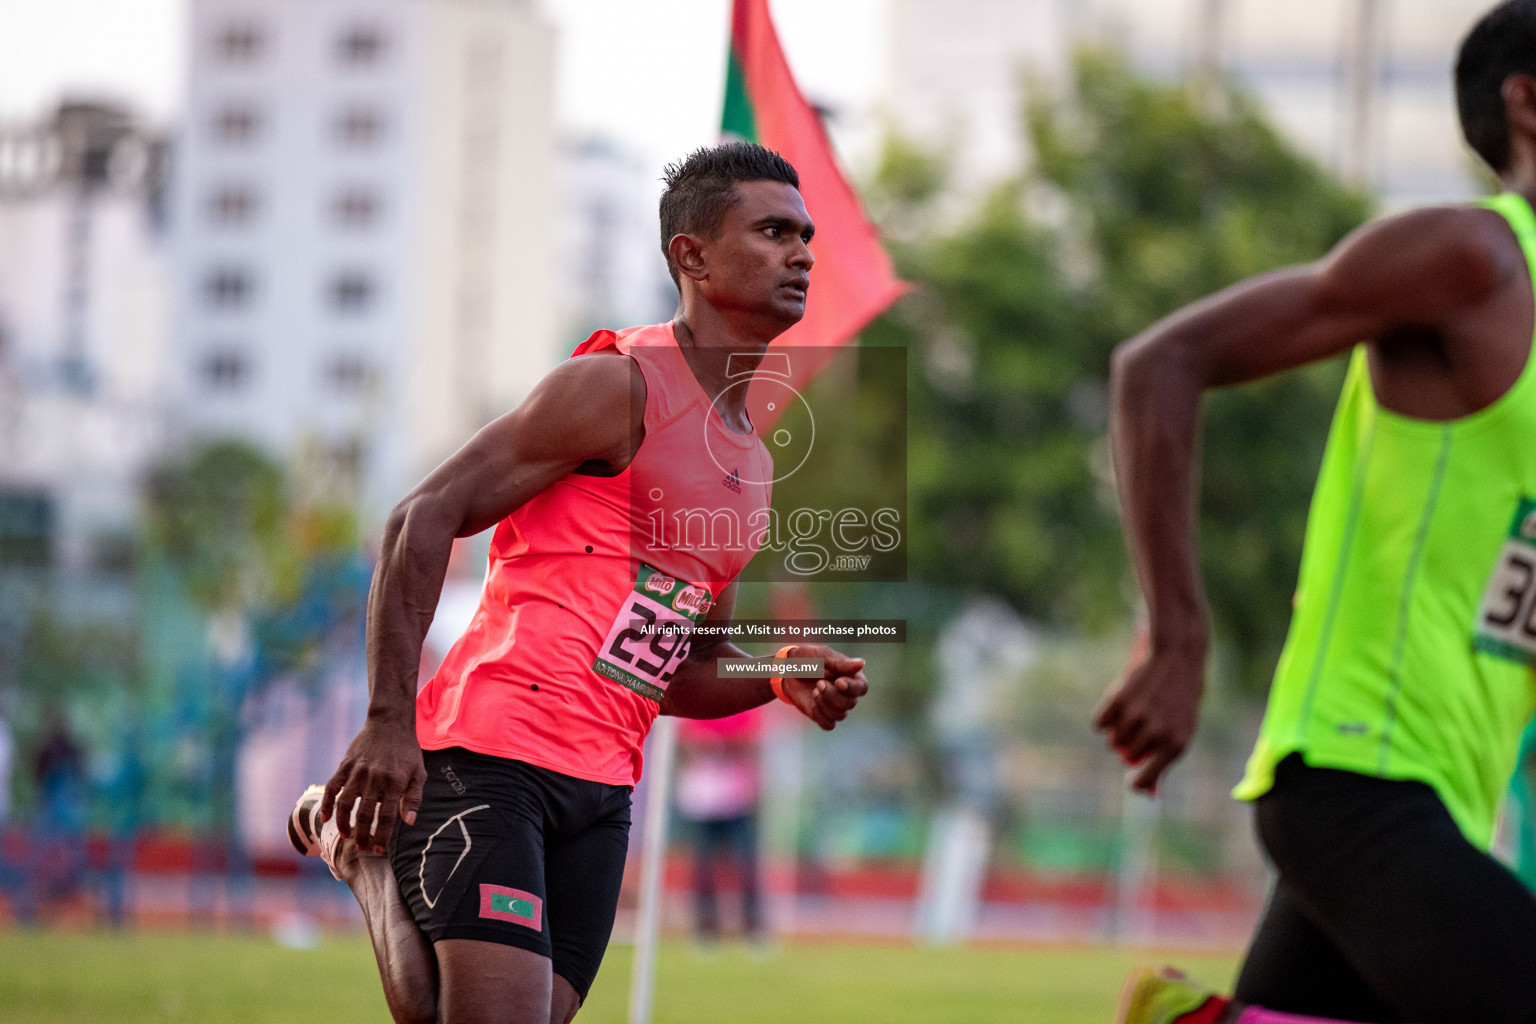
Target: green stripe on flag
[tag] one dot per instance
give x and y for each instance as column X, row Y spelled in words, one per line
column 505, row 904
column 737, row 119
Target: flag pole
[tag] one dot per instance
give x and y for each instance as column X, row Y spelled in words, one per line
column 1360, row 122
column 653, row 855
column 763, row 105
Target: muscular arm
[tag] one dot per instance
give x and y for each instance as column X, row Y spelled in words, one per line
column 1420, row 270
column 589, row 410
column 696, row 691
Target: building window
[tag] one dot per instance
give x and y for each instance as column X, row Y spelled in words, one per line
column 355, row 207
column 360, row 46
column 236, row 124
column 30, row 160
column 224, row 371
column 240, row 44
column 232, row 205
column 359, row 126
column 350, row 375
column 113, row 553
column 351, row 291
column 28, row 525
column 229, row 288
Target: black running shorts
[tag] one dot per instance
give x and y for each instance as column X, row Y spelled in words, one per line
column 1382, row 911
column 504, row 851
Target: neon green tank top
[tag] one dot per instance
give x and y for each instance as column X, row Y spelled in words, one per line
column 1414, row 633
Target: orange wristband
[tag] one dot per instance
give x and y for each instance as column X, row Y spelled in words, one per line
column 776, row 683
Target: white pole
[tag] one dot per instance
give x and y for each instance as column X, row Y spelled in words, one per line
column 1133, row 919
column 781, row 759
column 949, row 898
column 1360, row 124
column 1210, row 33
column 653, row 855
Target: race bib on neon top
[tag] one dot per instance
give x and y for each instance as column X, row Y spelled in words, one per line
column 1506, row 619
column 649, row 636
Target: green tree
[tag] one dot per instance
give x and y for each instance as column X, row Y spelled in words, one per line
column 1138, row 201
column 219, row 517
column 243, row 580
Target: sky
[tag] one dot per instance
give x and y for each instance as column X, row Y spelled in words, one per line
column 124, row 48
column 647, row 74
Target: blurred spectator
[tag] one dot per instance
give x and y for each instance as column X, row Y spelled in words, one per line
column 60, row 775
column 123, row 787
column 718, row 790
column 57, row 852
column 11, row 875
column 7, row 751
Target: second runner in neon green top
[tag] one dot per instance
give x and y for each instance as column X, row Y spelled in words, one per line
column 1410, row 652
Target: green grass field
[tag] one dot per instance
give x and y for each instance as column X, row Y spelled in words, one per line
column 50, row 978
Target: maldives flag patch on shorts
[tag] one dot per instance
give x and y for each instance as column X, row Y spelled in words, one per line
column 503, row 904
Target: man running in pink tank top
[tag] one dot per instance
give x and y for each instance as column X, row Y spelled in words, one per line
column 483, row 823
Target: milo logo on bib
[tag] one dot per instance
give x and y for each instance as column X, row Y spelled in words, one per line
column 692, row 601
column 648, row 639
column 1506, row 618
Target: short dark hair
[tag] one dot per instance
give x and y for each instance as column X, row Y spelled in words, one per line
column 1502, row 43
column 702, row 187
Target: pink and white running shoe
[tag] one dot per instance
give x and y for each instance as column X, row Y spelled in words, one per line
column 309, row 835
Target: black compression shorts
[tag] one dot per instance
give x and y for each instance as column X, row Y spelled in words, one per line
column 504, row 851
column 1382, row 911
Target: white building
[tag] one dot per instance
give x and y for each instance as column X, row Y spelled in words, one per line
column 83, row 326
column 364, row 229
column 955, row 70
column 613, row 273
column 1300, row 59
column 956, row 67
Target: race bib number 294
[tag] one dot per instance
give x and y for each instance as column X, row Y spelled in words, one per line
column 649, row 636
column 1506, row 619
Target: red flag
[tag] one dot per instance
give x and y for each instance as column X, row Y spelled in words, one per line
column 853, row 280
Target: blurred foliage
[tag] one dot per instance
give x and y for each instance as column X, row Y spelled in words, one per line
column 238, row 576
column 58, row 657
column 225, row 519
column 858, row 398
column 84, row 673
column 1139, row 201
column 248, row 576
column 222, row 517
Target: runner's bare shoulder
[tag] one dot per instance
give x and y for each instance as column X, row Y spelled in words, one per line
column 1428, row 262
column 596, row 401
column 1466, row 248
